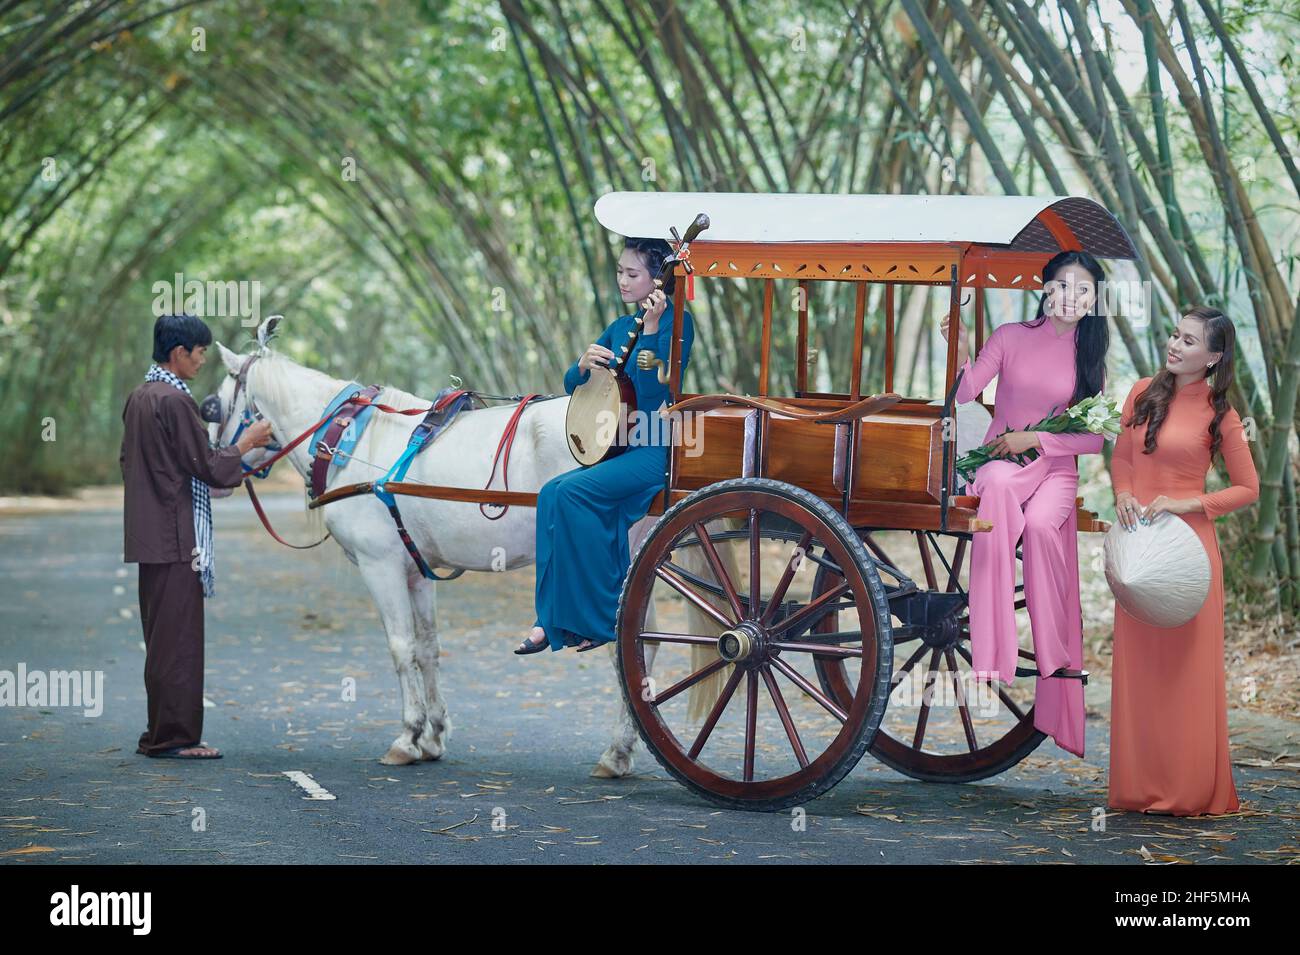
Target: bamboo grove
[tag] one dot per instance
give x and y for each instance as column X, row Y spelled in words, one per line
column 214, row 138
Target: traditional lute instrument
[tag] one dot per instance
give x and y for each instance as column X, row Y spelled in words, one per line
column 599, row 408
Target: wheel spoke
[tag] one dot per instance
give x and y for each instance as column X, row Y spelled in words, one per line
column 720, row 572
column 962, row 708
column 1001, row 691
column 680, row 585
column 954, row 575
column 911, row 662
column 784, row 712
column 926, row 693
column 783, row 584
column 798, row 680
column 751, row 720
column 695, row 639
column 931, row 582
column 808, row 609
column 689, row 681
column 833, row 637
column 714, row 714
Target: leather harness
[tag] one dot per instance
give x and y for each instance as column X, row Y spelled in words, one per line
column 336, row 436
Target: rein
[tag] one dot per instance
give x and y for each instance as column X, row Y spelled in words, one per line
column 252, row 414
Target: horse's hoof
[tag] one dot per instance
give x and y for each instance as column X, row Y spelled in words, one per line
column 433, row 743
column 613, row 766
column 398, row 756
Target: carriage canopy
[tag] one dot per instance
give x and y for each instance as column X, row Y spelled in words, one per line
column 1036, row 224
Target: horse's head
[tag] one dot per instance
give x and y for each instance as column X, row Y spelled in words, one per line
column 233, row 408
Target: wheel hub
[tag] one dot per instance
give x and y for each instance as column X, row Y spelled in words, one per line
column 745, row 643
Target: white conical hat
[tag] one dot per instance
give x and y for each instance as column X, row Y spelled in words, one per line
column 1160, row 572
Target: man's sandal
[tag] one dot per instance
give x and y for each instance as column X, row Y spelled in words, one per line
column 182, row 752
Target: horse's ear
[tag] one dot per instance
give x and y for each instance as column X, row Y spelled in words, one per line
column 230, row 359
column 266, row 331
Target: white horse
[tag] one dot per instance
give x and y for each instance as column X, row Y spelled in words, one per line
column 292, row 397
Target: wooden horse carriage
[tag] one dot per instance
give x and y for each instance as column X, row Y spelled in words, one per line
column 821, row 535
column 830, row 521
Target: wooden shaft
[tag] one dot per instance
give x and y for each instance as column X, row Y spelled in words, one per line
column 765, row 361
column 889, row 336
column 439, row 492
column 954, row 316
column 859, row 312
column 801, row 373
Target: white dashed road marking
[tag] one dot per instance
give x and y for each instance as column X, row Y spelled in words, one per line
column 313, row 789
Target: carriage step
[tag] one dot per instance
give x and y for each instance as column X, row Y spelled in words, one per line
column 1080, row 675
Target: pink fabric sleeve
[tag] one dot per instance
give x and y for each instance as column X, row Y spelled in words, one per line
column 988, row 363
column 1241, row 471
column 1065, row 445
column 1121, row 462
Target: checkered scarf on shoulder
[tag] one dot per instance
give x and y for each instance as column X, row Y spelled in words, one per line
column 202, row 501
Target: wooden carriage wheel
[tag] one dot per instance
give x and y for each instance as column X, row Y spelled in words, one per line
column 935, row 635
column 806, row 742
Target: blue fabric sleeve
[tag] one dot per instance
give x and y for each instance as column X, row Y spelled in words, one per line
column 574, row 376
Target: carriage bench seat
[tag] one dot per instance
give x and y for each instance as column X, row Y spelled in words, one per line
column 1088, row 521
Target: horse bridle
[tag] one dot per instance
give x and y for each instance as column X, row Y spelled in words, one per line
column 212, row 411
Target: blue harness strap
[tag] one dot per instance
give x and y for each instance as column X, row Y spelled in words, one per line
column 351, row 435
column 446, row 406
column 341, row 428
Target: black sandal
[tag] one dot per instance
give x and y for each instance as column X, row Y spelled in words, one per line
column 594, row 646
column 527, row 646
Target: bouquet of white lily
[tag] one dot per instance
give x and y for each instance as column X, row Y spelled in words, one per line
column 1097, row 415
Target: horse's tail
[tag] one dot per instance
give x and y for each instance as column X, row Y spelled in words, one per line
column 701, row 697
column 315, row 521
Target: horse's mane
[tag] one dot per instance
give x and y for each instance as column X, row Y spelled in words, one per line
column 273, row 385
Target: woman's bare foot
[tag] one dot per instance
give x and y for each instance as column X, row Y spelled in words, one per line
column 585, row 644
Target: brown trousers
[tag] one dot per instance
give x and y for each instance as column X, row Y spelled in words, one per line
column 171, row 612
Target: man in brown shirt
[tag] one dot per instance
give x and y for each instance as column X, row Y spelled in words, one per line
column 166, row 461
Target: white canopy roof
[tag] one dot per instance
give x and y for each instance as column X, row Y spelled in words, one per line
column 811, row 217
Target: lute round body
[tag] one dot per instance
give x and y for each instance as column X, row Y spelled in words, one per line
column 597, row 414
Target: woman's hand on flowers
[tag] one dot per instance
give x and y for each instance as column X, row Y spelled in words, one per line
column 1013, row 443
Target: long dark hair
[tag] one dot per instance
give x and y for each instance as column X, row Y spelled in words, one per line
column 653, row 253
column 1153, row 404
column 1091, row 334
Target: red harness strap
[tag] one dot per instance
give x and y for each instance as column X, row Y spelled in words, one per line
column 257, row 506
column 506, row 442
column 343, row 418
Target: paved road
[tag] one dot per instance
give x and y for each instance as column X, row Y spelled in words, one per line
column 287, row 628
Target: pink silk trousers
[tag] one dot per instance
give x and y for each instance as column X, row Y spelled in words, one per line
column 1033, row 506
